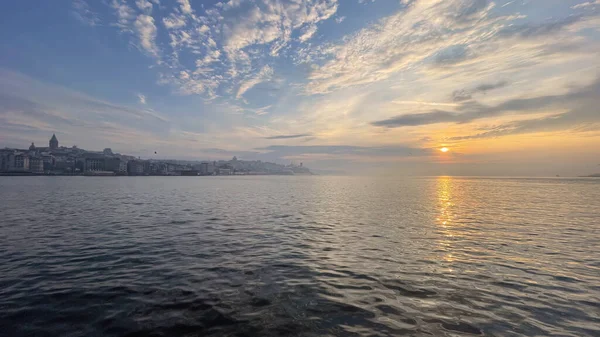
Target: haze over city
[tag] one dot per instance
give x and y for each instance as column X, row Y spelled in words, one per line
column 361, row 86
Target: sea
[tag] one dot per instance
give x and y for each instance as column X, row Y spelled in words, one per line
column 299, row 256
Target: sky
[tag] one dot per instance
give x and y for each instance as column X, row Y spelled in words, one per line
column 511, row 87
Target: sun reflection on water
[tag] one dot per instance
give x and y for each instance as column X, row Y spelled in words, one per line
column 445, row 218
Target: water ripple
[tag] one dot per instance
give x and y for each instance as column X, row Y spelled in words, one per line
column 299, row 256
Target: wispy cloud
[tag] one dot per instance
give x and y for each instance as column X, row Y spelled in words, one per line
column 283, row 151
column 144, row 25
column 125, row 14
column 447, row 34
column 233, row 43
column 65, row 108
column 301, row 135
column 308, row 33
column 83, row 13
column 590, row 3
column 376, row 52
column 265, row 74
column 141, row 98
column 587, row 97
column 467, row 94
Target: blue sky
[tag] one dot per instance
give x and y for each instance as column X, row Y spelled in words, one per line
column 509, row 86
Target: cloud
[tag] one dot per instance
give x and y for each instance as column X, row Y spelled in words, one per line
column 340, row 19
column 587, row 96
column 308, row 33
column 174, row 21
column 532, row 30
column 283, row 151
column 489, row 86
column 433, row 117
column 588, row 4
column 451, row 55
column 144, row 5
column 83, row 13
column 31, row 109
column 144, row 25
column 185, row 6
column 62, row 103
column 272, row 22
column 235, row 43
column 141, row 26
column 467, row 94
column 434, row 37
column 125, row 14
column 432, row 30
column 302, row 135
column 142, row 98
column 265, row 74
column 581, row 119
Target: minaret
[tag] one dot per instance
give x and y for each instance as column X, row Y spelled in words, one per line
column 53, row 142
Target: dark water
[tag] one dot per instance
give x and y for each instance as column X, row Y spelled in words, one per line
column 299, row 256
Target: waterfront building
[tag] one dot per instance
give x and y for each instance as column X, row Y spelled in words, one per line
column 36, row 164
column 100, row 162
column 18, row 162
column 123, row 167
column 4, row 159
column 135, row 167
column 204, row 168
column 225, row 171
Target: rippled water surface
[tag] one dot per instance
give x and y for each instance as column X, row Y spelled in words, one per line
column 299, row 256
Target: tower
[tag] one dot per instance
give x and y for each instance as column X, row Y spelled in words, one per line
column 53, row 142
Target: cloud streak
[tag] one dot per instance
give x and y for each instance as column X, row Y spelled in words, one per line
column 301, row 135
column 283, row 151
column 467, row 94
column 584, row 98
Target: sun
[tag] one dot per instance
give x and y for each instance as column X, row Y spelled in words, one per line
column 444, row 149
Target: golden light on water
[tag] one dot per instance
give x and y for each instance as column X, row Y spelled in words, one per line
column 444, row 149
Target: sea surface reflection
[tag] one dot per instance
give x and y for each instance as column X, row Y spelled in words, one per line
column 299, row 256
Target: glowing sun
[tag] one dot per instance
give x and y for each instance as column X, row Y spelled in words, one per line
column 444, row 149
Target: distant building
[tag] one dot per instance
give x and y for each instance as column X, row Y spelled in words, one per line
column 4, row 159
column 53, row 142
column 94, row 164
column 18, row 162
column 135, row 167
column 204, row 168
column 99, row 162
column 225, row 171
column 36, row 164
column 123, row 167
column 107, row 152
column 32, row 147
column 112, row 164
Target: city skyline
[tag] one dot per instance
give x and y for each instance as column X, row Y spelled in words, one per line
column 62, row 160
column 507, row 87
